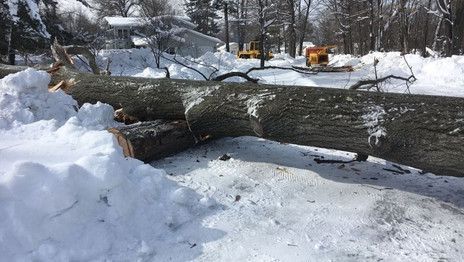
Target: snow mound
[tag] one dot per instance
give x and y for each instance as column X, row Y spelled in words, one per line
column 24, row 98
column 151, row 73
column 67, row 193
column 99, row 116
column 446, row 71
column 344, row 60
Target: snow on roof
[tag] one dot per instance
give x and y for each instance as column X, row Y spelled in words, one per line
column 139, row 41
column 185, row 20
column 207, row 37
column 181, row 21
column 124, row 21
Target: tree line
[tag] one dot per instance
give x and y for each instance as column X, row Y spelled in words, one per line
column 355, row 26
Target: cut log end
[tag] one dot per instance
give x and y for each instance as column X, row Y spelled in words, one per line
column 153, row 140
column 126, row 145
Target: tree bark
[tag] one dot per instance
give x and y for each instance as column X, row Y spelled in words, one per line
column 226, row 25
column 291, row 28
column 154, row 139
column 11, row 50
column 372, row 36
column 425, row 132
column 262, row 32
column 426, row 29
column 304, row 26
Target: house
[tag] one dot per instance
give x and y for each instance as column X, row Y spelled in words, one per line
column 130, row 32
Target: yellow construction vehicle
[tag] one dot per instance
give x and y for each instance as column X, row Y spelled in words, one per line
column 318, row 55
column 251, row 50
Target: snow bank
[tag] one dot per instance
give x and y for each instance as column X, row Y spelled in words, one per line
column 24, row 98
column 67, row 192
column 151, row 73
column 435, row 76
column 344, row 60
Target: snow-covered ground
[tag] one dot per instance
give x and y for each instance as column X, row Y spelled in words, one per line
column 435, row 76
column 278, row 204
column 67, row 193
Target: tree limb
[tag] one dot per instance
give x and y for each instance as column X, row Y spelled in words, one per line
column 373, row 82
column 233, row 74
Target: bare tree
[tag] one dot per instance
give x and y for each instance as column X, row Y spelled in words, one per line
column 265, row 14
column 445, row 8
column 160, row 35
column 122, row 8
column 303, row 23
column 290, row 10
column 152, row 8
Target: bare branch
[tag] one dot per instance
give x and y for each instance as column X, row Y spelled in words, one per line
column 235, row 74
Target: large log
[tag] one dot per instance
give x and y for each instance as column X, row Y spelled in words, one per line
column 153, row 139
column 425, row 132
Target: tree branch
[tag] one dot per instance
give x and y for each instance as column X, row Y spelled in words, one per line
column 373, row 82
column 233, row 74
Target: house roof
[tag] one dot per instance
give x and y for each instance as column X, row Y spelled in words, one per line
column 117, row 21
column 180, row 21
column 207, row 37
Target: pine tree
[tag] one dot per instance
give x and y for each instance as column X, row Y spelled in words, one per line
column 203, row 14
column 53, row 22
column 4, row 32
column 28, row 25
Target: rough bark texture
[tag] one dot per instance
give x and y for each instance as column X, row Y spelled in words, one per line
column 426, row 132
column 154, row 139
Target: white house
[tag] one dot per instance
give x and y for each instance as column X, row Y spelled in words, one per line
column 129, row 32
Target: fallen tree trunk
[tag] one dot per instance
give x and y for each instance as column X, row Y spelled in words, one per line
column 425, row 132
column 154, row 139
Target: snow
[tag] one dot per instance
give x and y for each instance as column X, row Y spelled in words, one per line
column 67, row 192
column 435, row 76
column 77, row 7
column 34, row 13
column 25, row 99
column 278, row 204
column 207, row 37
column 373, row 120
column 125, row 21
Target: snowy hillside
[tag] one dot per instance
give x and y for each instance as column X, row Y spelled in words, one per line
column 67, row 193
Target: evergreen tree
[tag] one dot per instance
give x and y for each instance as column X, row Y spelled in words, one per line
column 4, row 21
column 28, row 25
column 203, row 14
column 53, row 22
